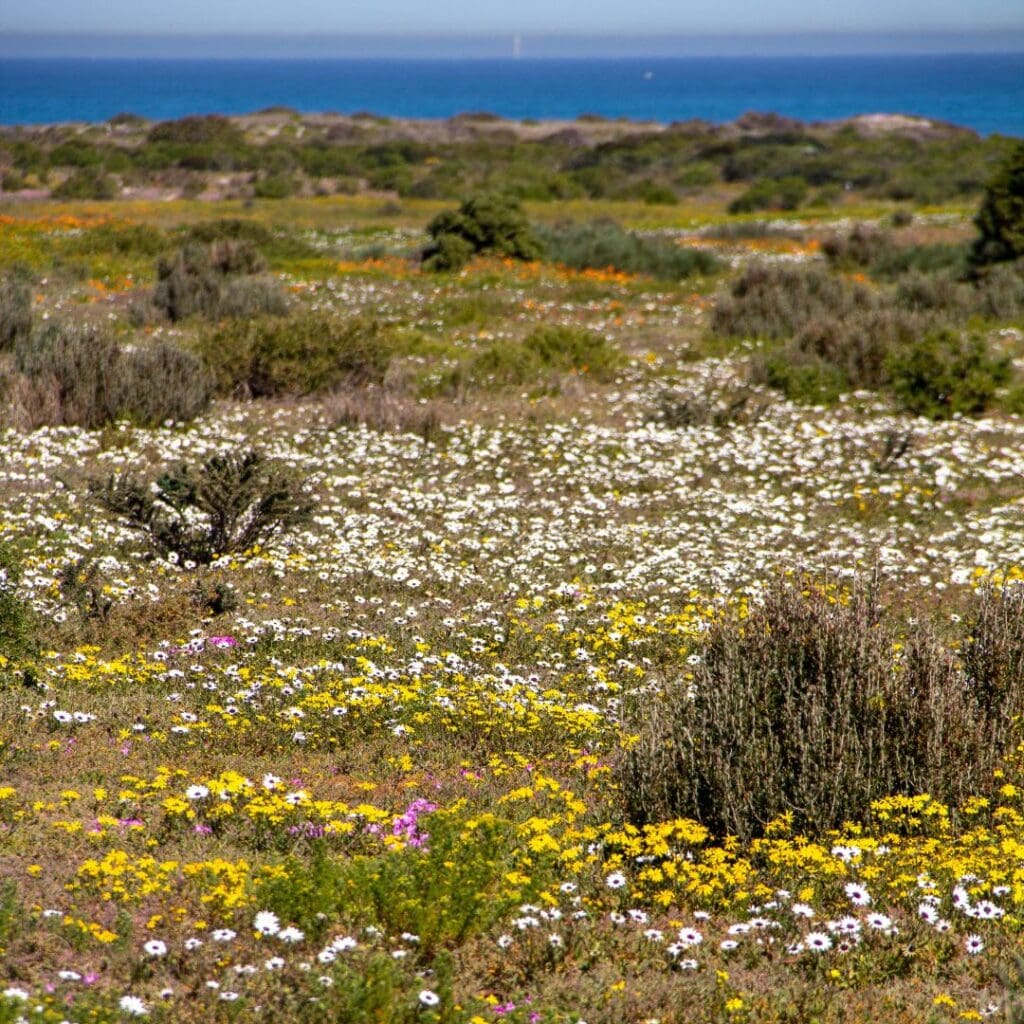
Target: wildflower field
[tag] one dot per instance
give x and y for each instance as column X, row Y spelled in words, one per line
column 375, row 694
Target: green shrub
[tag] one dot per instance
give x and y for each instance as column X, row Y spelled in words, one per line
column 15, row 310
column 814, row 705
column 297, row 356
column 17, row 622
column 447, row 888
column 544, row 352
column 488, row 223
column 802, row 377
column 943, row 374
column 894, row 261
column 769, row 301
column 449, row 253
column 785, row 193
column 227, row 504
column 1000, row 220
column 86, row 183
column 275, row 186
column 573, row 349
column 602, row 244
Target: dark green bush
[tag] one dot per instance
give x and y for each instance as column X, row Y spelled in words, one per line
column 815, row 705
column 1000, row 221
column 227, row 504
column 769, row 301
column 602, row 244
column 198, row 130
column 15, row 310
column 488, row 223
column 944, row 373
column 296, row 356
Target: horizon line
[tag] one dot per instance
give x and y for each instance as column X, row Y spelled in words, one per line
column 510, row 44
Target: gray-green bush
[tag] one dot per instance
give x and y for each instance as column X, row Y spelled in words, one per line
column 602, row 244
column 816, row 704
column 78, row 374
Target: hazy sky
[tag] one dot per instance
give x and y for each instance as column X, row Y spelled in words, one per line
column 639, row 17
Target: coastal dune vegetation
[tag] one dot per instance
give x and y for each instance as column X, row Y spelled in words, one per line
column 489, row 571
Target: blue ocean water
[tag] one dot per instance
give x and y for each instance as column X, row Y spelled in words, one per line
column 984, row 92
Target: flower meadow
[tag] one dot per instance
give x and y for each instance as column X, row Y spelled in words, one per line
column 369, row 768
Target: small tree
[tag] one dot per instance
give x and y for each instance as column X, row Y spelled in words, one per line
column 228, row 504
column 1000, row 220
column 484, row 223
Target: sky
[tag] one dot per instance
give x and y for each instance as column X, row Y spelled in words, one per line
column 639, row 17
column 84, row 27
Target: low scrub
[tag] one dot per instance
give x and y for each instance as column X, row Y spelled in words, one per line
column 311, row 354
column 227, row 504
column 819, row 703
column 600, row 245
column 544, row 353
column 383, row 410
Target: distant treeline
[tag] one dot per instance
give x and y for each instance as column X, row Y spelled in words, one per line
column 770, row 162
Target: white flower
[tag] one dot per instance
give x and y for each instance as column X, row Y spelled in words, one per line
column 133, row 1006
column 817, row 942
column 223, row 935
column 690, row 937
column 15, row 993
column 974, row 944
column 155, row 947
column 857, row 894
column 275, row 963
column 266, row 922
column 291, row 934
column 616, row 880
column 193, row 943
column 428, row 998
column 197, row 793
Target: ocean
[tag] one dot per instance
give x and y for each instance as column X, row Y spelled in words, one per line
column 984, row 92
